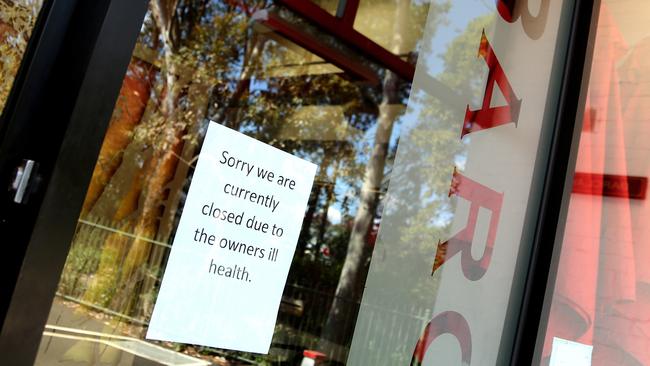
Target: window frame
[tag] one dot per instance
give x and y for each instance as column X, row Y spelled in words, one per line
column 87, row 46
column 57, row 114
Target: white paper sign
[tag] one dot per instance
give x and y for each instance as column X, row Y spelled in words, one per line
column 234, row 245
column 568, row 353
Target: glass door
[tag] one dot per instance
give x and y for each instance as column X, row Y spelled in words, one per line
column 267, row 73
column 398, row 145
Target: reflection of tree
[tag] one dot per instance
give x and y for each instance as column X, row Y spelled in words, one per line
column 17, row 21
column 201, row 58
column 198, row 58
column 419, row 208
column 423, row 212
column 340, row 323
column 155, row 123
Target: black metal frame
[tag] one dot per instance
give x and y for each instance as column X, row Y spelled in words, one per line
column 57, row 115
column 556, row 189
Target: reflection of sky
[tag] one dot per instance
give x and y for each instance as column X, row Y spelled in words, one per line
column 460, row 14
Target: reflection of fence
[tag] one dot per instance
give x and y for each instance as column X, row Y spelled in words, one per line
column 100, row 343
column 386, row 326
column 93, row 274
column 303, row 327
column 388, row 333
column 303, row 313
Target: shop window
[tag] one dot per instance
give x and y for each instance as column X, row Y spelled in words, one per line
column 408, row 247
column 322, row 100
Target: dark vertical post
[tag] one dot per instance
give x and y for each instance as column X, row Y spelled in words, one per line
column 558, row 179
column 58, row 119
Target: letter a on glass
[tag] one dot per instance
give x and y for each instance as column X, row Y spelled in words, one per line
column 489, row 117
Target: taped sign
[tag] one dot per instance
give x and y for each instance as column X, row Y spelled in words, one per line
column 234, row 245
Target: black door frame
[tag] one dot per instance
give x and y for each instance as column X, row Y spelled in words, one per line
column 556, row 190
column 57, row 115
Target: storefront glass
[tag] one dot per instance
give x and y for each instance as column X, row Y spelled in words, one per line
column 398, row 242
column 601, row 301
column 17, row 19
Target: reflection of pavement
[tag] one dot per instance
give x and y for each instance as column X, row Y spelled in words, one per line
column 75, row 338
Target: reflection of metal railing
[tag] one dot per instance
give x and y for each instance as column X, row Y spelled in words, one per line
column 315, row 305
column 124, row 233
column 302, row 316
column 395, row 329
column 303, row 313
column 134, row 346
column 102, row 309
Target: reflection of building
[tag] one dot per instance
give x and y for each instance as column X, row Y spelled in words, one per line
column 601, row 294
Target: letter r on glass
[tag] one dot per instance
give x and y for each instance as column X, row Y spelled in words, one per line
column 479, row 196
column 448, row 322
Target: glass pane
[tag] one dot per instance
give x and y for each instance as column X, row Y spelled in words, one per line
column 329, row 5
column 331, row 97
column 374, row 19
column 601, row 299
column 444, row 287
column 17, row 19
column 244, row 75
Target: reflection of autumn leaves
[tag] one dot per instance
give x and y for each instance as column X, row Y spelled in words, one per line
column 441, row 251
column 441, row 255
column 128, row 114
column 455, row 183
column 16, row 24
column 137, row 181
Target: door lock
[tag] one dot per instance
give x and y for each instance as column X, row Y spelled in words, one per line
column 23, row 180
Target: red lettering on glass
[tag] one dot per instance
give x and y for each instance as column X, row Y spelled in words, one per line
column 479, row 196
column 489, row 117
column 511, row 10
column 506, row 9
column 448, row 322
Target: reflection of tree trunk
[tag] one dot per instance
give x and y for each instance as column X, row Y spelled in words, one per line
column 340, row 323
column 312, row 204
column 227, row 114
column 162, row 165
column 199, row 94
column 339, row 327
column 128, row 112
column 329, row 198
column 102, row 287
column 125, row 261
column 305, row 233
column 157, row 173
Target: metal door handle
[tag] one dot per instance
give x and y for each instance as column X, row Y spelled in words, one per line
column 22, row 179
